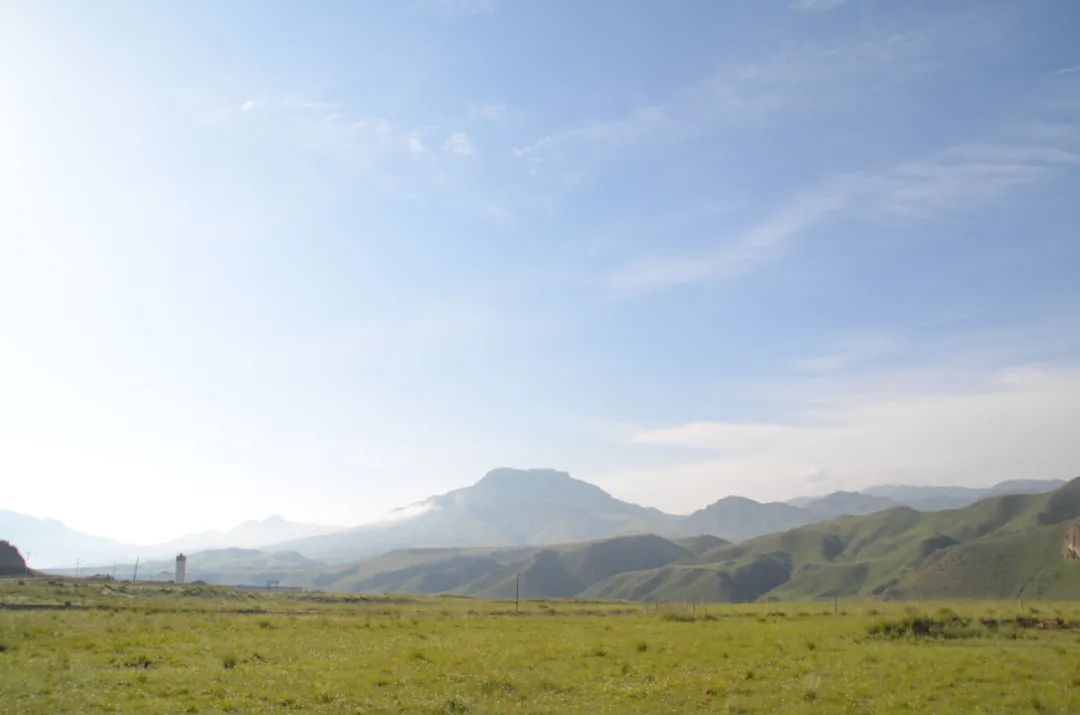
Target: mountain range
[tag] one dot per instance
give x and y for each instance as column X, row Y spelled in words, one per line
column 514, row 507
column 507, row 507
column 1005, row 546
column 48, row 543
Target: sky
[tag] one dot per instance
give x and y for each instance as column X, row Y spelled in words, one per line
column 324, row 260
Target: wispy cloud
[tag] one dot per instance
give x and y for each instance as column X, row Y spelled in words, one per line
column 848, row 352
column 414, row 145
column 494, row 113
column 640, row 123
column 956, row 180
column 459, row 145
column 323, row 127
column 962, row 178
column 391, row 154
column 772, row 86
column 759, row 243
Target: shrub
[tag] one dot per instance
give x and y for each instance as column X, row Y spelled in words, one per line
column 948, row 626
column 139, row 661
column 455, row 705
column 677, row 617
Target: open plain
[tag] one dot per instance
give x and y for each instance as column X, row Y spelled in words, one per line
column 69, row 646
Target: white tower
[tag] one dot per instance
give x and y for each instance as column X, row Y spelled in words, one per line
column 181, row 568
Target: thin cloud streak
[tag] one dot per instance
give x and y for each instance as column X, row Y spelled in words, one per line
column 848, row 352
column 760, row 243
column 758, row 90
column 956, row 180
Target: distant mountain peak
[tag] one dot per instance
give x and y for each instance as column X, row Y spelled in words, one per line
column 732, row 499
column 546, row 484
column 513, row 476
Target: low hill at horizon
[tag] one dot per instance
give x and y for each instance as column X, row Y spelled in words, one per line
column 1001, row 547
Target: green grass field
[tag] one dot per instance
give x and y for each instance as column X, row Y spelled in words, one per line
column 163, row 649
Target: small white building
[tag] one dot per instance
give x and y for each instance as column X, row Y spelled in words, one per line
column 181, row 568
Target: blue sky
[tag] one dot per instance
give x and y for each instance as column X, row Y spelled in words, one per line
column 324, row 261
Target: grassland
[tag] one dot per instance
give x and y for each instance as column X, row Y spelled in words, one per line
column 163, row 649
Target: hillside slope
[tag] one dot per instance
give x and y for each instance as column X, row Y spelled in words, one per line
column 508, row 507
column 1002, row 547
column 996, row 548
column 535, row 572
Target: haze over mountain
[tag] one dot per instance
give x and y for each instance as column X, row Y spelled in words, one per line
column 247, row 535
column 1000, row 547
column 931, row 498
column 512, row 507
column 51, row 544
column 507, row 507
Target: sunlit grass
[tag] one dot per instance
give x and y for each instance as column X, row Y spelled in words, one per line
column 200, row 649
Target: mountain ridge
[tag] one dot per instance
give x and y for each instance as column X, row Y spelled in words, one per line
column 1004, row 546
column 506, row 507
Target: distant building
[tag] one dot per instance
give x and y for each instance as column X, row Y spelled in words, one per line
column 181, row 568
column 1072, row 540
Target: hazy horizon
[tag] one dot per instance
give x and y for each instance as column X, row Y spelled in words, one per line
column 256, row 260
column 190, row 541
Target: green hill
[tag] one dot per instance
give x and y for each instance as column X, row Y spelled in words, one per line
column 1000, row 547
column 539, row 572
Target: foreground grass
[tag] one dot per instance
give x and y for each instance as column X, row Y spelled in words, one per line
column 200, row 649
